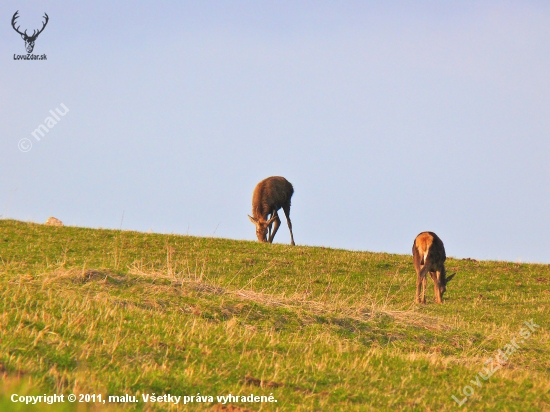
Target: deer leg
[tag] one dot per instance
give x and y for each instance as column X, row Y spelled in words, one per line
column 436, row 284
column 421, row 284
column 423, row 277
column 418, row 288
column 436, row 276
column 277, row 223
column 424, row 282
column 286, row 209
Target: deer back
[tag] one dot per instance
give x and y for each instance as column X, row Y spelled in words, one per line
column 428, row 249
column 271, row 194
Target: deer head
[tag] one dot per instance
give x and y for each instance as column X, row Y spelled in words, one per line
column 261, row 227
column 443, row 284
column 29, row 40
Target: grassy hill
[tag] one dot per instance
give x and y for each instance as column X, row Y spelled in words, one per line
column 117, row 312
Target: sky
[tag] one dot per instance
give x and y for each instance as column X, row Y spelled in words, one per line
column 389, row 119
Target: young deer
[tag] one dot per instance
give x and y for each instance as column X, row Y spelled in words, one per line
column 429, row 256
column 270, row 195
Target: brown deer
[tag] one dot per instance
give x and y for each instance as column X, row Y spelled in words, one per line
column 429, row 256
column 270, row 195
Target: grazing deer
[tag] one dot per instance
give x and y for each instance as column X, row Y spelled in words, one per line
column 270, row 195
column 429, row 256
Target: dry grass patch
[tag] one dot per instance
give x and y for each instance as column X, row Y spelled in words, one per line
column 337, row 306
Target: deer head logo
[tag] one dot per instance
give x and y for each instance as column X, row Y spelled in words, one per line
column 29, row 40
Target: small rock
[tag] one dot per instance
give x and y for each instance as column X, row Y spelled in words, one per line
column 52, row 221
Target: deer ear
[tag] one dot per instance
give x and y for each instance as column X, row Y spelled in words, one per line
column 252, row 219
column 272, row 219
column 450, row 277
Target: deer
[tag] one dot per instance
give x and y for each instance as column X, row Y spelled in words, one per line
column 429, row 256
column 269, row 196
column 29, row 40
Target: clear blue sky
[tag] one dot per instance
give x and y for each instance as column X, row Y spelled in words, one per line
column 390, row 118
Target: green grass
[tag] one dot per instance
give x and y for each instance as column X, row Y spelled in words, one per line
column 118, row 312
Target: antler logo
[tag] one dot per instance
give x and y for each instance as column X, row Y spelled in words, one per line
column 29, row 40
